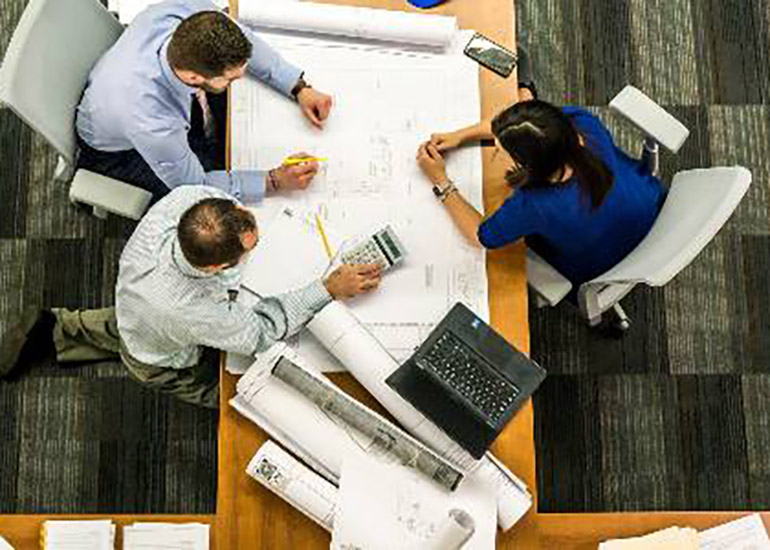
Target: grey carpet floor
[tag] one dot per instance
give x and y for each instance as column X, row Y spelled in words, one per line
column 674, row 416
column 84, row 439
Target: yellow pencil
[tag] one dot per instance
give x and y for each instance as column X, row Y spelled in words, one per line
column 320, row 227
column 292, row 161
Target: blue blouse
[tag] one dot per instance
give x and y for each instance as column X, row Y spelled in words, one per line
column 559, row 224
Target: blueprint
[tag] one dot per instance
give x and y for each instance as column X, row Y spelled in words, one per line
column 387, row 100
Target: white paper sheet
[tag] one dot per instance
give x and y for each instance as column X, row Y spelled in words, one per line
column 361, row 23
column 747, row 533
column 4, row 544
column 290, row 253
column 384, row 506
column 294, row 482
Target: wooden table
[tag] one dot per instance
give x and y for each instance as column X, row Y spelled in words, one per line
column 249, row 516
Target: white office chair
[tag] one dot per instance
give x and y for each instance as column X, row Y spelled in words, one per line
column 698, row 204
column 42, row 79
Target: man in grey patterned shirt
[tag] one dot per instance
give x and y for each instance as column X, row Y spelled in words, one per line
column 177, row 301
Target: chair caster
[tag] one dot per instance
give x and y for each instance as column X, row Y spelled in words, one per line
column 616, row 323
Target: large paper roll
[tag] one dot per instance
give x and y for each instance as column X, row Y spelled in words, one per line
column 435, row 31
column 295, row 483
column 348, row 340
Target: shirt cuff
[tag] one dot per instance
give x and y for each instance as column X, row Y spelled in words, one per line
column 286, row 77
column 311, row 298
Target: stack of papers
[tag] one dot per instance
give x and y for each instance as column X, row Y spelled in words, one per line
column 75, row 535
column 169, row 536
column 747, row 533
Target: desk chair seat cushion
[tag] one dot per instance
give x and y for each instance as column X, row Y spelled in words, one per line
column 109, row 195
column 558, row 223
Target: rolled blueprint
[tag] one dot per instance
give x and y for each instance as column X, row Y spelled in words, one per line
column 454, row 532
column 294, row 482
column 436, row 31
column 365, row 358
column 386, row 436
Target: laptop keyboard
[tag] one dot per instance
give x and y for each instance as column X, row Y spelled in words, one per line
column 453, row 361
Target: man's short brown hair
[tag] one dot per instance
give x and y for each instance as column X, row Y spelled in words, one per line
column 210, row 231
column 207, row 43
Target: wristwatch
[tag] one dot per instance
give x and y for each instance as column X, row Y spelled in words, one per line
column 442, row 193
column 299, row 86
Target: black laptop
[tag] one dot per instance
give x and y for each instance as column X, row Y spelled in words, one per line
column 467, row 379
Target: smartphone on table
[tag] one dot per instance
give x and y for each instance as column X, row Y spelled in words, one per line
column 491, row 55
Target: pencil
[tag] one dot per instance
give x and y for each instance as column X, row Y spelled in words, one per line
column 321, row 231
column 292, row 161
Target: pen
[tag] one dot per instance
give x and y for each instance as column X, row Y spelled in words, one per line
column 292, row 161
column 320, row 227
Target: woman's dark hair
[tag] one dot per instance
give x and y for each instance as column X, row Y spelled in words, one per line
column 542, row 140
column 209, row 232
column 208, row 43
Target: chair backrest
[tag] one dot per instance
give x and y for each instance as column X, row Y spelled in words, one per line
column 46, row 67
column 699, row 203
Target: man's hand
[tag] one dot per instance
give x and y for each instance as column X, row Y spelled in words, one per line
column 351, row 280
column 315, row 106
column 432, row 163
column 296, row 176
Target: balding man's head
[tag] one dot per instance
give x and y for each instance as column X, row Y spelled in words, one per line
column 216, row 233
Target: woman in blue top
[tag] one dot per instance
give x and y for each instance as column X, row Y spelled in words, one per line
column 578, row 200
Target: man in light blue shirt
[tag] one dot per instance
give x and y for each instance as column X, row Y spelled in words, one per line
column 177, row 301
column 153, row 113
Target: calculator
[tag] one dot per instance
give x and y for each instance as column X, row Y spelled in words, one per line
column 382, row 248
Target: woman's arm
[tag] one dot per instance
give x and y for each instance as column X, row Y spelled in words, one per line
column 463, row 214
column 451, row 140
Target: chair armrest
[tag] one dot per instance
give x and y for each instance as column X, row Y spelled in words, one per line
column 650, row 117
column 550, row 285
column 109, row 194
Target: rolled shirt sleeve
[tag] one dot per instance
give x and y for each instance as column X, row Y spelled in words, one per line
column 239, row 329
column 162, row 143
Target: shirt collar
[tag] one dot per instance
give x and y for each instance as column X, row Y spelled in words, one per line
column 173, row 80
column 184, row 266
column 231, row 277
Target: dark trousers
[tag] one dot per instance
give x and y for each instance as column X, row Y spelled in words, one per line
column 129, row 166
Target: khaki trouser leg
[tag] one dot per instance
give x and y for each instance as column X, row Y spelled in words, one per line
column 86, row 335
column 198, row 385
column 92, row 335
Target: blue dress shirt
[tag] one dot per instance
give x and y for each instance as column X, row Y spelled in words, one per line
column 134, row 100
column 560, row 225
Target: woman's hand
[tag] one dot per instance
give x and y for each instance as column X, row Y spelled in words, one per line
column 432, row 163
column 446, row 141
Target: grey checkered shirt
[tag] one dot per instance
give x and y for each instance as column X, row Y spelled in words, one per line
column 167, row 309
